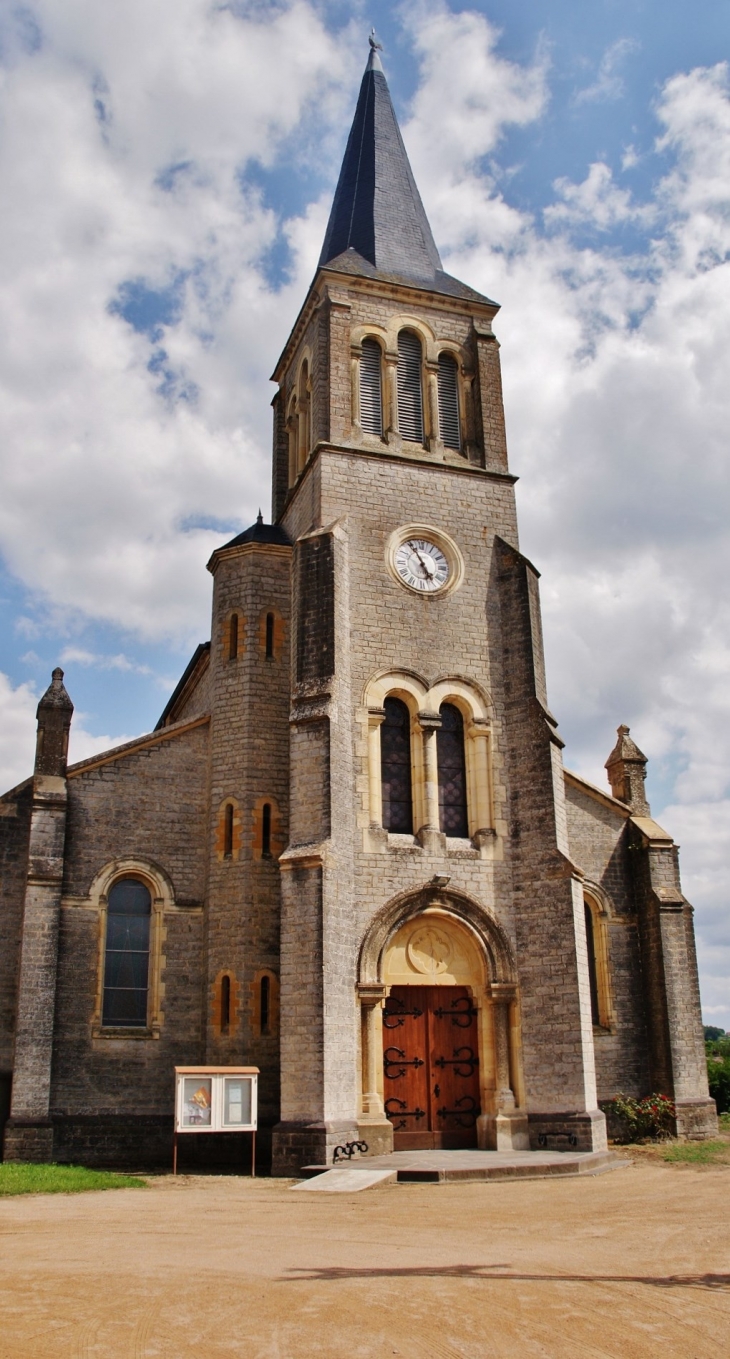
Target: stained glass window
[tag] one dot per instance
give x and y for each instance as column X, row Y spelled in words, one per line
column 452, row 772
column 127, row 957
column 395, row 767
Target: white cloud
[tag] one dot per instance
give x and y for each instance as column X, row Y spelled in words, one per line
column 18, row 728
column 618, row 408
column 615, row 365
column 99, row 467
column 609, row 84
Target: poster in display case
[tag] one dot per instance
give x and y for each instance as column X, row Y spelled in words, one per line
column 216, row 1099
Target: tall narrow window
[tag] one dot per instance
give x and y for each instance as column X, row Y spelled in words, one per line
column 265, row 1004
column 228, row 831
column 225, row 1003
column 266, row 831
column 592, row 967
column 452, row 772
column 395, row 766
column 448, row 385
column 304, row 406
column 233, row 637
column 410, row 391
column 371, row 392
column 127, row 956
column 269, row 635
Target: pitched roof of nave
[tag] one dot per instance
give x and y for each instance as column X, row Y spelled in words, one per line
column 378, row 227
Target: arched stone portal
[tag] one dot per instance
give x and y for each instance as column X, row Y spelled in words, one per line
column 438, row 939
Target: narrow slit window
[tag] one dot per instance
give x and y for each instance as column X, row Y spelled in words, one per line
column 410, row 388
column 228, row 831
column 371, row 390
column 269, row 635
column 225, row 1003
column 395, row 766
column 127, row 955
column 266, row 831
column 592, row 968
column 233, row 637
column 265, row 1004
column 448, row 389
column 453, row 812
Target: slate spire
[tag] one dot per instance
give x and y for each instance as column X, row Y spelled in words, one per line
column 377, row 209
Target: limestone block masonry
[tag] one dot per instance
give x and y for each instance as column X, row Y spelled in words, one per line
column 349, row 853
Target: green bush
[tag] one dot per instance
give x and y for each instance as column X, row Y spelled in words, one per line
column 650, row 1119
column 718, row 1076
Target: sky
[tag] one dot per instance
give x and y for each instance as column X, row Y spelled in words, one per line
column 167, row 170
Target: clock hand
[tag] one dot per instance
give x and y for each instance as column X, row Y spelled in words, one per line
column 426, row 563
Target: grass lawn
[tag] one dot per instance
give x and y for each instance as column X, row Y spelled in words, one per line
column 20, row 1178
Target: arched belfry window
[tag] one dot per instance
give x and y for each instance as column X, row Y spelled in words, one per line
column 410, row 387
column 127, row 955
column 371, row 388
column 395, row 767
column 448, row 389
column 453, row 813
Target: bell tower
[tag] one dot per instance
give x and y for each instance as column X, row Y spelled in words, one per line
column 425, row 765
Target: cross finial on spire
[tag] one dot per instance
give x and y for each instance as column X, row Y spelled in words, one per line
column 374, row 63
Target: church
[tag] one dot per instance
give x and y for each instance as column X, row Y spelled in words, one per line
column 349, row 854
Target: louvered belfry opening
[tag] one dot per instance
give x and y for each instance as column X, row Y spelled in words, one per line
column 371, row 388
column 410, row 390
column 448, row 382
column 452, row 772
column 395, row 767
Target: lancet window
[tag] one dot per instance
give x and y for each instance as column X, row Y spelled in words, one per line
column 453, row 810
column 127, row 955
column 395, row 766
column 448, row 402
column 410, row 387
column 371, row 388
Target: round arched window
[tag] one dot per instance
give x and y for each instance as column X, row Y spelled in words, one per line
column 127, row 956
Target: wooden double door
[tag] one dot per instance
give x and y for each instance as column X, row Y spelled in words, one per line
column 431, row 1066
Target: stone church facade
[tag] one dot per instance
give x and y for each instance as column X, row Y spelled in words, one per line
column 349, row 854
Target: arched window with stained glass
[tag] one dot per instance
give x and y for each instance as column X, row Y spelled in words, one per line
column 395, row 767
column 453, row 809
column 127, row 955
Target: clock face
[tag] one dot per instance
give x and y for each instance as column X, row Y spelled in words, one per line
column 422, row 565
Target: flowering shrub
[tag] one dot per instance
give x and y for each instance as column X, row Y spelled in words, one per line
column 651, row 1119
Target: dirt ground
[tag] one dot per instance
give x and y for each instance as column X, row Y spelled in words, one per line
column 631, row 1264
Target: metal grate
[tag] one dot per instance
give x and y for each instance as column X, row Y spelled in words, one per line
column 449, row 403
column 371, row 392
column 410, row 394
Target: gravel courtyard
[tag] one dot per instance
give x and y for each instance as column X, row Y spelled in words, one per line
column 630, row 1264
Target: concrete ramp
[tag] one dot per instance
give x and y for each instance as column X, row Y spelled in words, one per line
column 346, row 1180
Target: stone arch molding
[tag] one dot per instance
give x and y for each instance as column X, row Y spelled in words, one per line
column 423, row 702
column 159, row 885
column 428, row 903
column 387, row 338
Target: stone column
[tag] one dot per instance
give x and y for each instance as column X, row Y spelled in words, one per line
column 376, row 717
column 511, row 1133
column 391, row 381
column 374, row 1127
column 430, row 834
column 29, row 1131
column 433, row 432
column 355, row 354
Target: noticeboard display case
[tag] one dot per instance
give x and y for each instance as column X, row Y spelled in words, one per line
column 216, row 1099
